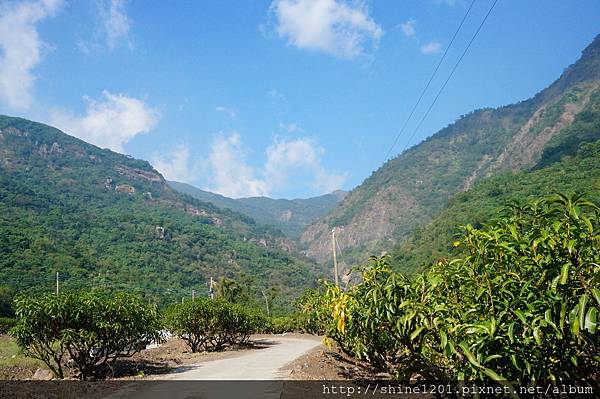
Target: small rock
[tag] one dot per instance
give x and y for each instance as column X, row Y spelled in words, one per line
column 42, row 375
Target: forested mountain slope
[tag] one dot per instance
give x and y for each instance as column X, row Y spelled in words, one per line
column 411, row 189
column 105, row 220
column 577, row 173
column 290, row 216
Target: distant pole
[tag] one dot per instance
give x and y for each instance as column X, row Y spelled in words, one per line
column 182, row 299
column 335, row 266
column 211, row 293
column 266, row 302
column 193, row 294
column 56, row 283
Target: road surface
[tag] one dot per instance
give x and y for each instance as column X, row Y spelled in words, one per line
column 264, row 364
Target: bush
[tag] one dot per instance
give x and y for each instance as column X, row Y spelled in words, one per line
column 521, row 306
column 91, row 330
column 206, row 324
column 6, row 297
column 6, row 323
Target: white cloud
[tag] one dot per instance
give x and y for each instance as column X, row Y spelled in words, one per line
column 110, row 122
column 331, row 26
column 279, row 101
column 291, row 127
column 21, row 49
column 115, row 22
column 431, row 48
column 408, row 28
column 230, row 174
column 229, row 111
column 177, row 167
column 284, row 158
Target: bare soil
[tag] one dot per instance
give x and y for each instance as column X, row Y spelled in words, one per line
column 330, row 363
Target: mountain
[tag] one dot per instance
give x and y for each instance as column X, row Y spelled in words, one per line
column 290, row 216
column 107, row 221
column 410, row 190
column 483, row 202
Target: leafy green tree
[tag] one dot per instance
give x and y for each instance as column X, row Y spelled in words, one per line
column 227, row 289
column 89, row 329
column 206, row 324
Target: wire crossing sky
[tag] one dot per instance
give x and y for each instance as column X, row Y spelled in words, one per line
column 282, row 98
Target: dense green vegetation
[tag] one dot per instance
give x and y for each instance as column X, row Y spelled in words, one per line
column 106, row 221
column 89, row 329
column 520, row 305
column 578, row 173
column 290, row 216
column 206, row 324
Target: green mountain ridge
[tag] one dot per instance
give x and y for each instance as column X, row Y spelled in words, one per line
column 575, row 173
column 408, row 191
column 290, row 216
column 104, row 220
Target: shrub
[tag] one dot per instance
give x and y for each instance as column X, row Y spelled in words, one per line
column 90, row 329
column 6, row 323
column 521, row 305
column 206, row 324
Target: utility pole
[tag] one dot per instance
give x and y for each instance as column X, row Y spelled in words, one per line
column 57, row 283
column 193, row 294
column 335, row 266
column 211, row 292
column 266, row 302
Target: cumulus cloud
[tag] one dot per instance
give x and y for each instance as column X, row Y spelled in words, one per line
column 230, row 174
column 178, row 166
column 21, row 48
column 408, row 28
column 229, row 111
column 332, row 26
column 285, row 158
column 110, row 122
column 431, row 48
column 115, row 22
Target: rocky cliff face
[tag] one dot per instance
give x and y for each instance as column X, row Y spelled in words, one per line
column 410, row 189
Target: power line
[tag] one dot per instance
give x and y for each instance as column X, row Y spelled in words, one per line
column 450, row 76
column 429, row 82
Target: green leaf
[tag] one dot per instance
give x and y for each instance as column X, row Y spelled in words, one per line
column 564, row 273
column 596, row 295
column 536, row 335
column 444, row 340
column 416, row 333
column 520, row 315
column 590, row 320
column 563, row 316
column 582, row 304
column 574, row 320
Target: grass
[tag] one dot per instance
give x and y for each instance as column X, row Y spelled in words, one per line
column 14, row 364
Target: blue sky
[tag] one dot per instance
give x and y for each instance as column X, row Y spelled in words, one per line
column 285, row 98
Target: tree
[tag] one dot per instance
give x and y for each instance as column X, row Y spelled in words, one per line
column 206, row 324
column 227, row 289
column 6, row 297
column 90, row 329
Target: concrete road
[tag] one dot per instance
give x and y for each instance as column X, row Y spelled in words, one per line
column 264, row 364
column 259, row 364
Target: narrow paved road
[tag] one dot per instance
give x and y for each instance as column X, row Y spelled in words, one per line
column 262, row 365
column 259, row 364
